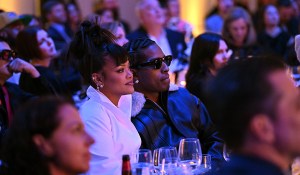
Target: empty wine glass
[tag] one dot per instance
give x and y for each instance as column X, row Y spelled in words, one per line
column 190, row 153
column 226, row 153
column 167, row 158
column 144, row 164
column 205, row 166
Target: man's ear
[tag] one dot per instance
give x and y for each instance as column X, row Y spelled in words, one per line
column 43, row 145
column 262, row 128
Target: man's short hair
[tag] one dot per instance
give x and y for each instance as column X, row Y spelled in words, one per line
column 47, row 7
column 240, row 91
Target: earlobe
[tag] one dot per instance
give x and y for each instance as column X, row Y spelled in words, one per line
column 262, row 128
column 43, row 145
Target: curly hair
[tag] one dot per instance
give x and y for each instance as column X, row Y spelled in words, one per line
column 20, row 155
column 135, row 49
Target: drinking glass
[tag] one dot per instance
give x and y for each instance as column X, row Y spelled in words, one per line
column 144, row 165
column 167, row 158
column 190, row 153
column 226, row 153
column 205, row 166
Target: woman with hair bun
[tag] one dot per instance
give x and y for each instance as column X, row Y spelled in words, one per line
column 104, row 66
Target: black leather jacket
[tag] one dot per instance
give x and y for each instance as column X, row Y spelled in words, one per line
column 180, row 115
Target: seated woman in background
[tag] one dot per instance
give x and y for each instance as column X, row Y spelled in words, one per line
column 239, row 33
column 117, row 29
column 209, row 54
column 104, row 66
column 272, row 37
column 34, row 44
column 47, row 137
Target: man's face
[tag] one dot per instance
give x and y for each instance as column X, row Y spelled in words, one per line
column 4, row 72
column 58, row 14
column 152, row 13
column 287, row 122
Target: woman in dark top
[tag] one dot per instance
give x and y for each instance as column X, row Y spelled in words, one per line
column 272, row 37
column 209, row 54
column 239, row 33
column 35, row 45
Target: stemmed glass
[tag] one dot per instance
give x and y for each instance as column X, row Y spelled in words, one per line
column 189, row 153
column 226, row 153
column 143, row 165
column 167, row 158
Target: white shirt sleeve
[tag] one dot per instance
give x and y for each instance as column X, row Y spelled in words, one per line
column 98, row 125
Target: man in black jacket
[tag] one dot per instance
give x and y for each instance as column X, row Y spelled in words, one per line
column 164, row 114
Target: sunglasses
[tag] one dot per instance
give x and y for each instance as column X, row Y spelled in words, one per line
column 7, row 55
column 156, row 63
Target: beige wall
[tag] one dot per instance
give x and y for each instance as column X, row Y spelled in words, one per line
column 20, row 6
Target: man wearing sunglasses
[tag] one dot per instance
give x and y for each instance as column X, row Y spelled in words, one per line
column 11, row 96
column 163, row 114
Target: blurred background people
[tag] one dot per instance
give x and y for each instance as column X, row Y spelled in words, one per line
column 117, row 29
column 74, row 16
column 214, row 21
column 10, row 25
column 47, row 137
column 106, row 114
column 55, row 16
column 272, row 37
column 209, row 54
column 113, row 7
column 239, row 33
column 175, row 22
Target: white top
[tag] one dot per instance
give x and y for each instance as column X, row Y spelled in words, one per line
column 112, row 130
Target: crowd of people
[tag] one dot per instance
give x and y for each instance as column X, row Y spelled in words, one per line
column 77, row 93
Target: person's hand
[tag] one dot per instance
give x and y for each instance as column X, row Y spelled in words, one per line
column 19, row 65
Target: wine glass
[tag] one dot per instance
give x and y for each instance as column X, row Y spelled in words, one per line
column 144, row 165
column 190, row 153
column 167, row 158
column 226, row 153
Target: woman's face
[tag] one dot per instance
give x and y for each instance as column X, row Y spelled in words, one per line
column 153, row 80
column 70, row 143
column 222, row 56
column 121, row 37
column 117, row 80
column 107, row 16
column 238, row 30
column 45, row 44
column 271, row 16
column 73, row 13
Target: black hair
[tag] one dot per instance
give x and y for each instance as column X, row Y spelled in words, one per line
column 90, row 48
column 204, row 49
column 239, row 92
column 47, row 8
column 30, row 50
column 135, row 49
column 20, row 155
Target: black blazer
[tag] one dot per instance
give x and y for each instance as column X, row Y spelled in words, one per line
column 176, row 39
column 59, row 41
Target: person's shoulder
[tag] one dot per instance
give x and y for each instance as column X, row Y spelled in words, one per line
column 138, row 33
column 213, row 18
